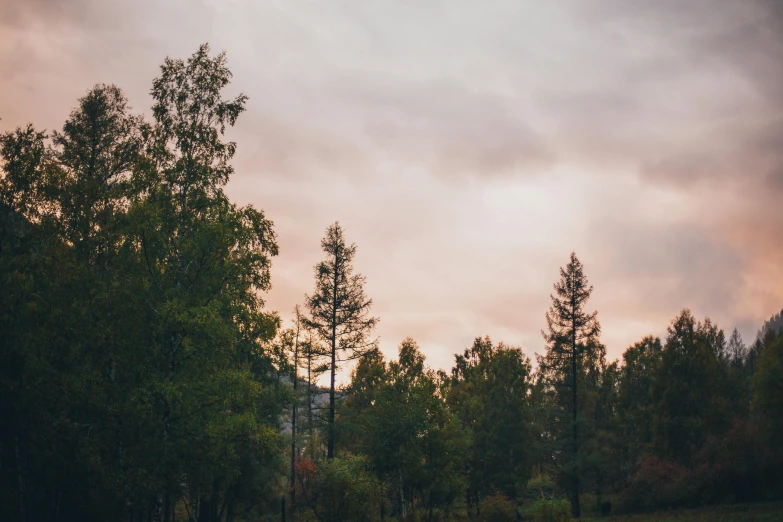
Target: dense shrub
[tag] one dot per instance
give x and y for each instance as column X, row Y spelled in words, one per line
column 540, row 485
column 731, row 468
column 659, row 484
column 555, row 510
column 340, row 490
column 498, row 508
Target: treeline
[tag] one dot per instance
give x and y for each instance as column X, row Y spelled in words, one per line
column 690, row 420
column 142, row 379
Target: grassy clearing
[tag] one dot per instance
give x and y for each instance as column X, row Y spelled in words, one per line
column 762, row 512
column 767, row 512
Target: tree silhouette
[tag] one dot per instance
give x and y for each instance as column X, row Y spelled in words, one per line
column 572, row 337
column 339, row 310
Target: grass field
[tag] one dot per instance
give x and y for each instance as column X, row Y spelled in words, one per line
column 761, row 512
column 767, row 512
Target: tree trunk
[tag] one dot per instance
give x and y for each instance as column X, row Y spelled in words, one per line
column 293, row 460
column 293, row 418
column 598, row 493
column 330, row 443
column 575, row 479
column 310, row 394
column 208, row 508
column 166, row 508
column 403, row 510
column 20, row 481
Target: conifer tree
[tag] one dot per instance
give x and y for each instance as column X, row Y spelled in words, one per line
column 295, row 402
column 572, row 340
column 340, row 311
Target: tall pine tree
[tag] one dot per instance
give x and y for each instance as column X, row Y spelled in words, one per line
column 572, row 341
column 340, row 312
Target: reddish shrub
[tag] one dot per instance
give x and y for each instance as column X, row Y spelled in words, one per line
column 659, row 484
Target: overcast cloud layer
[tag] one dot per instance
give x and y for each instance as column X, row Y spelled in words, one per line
column 468, row 147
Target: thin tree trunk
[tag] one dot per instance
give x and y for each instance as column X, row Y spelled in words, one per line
column 293, row 417
column 330, row 443
column 403, row 509
column 310, row 394
column 575, row 482
column 20, row 480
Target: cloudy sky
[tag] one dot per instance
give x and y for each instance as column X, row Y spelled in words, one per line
column 468, row 147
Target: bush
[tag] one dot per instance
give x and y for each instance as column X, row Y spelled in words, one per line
column 732, row 467
column 546, row 510
column 540, row 485
column 498, row 508
column 659, row 484
column 340, row 490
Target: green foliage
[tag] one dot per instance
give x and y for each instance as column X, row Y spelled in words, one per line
column 767, row 407
column 488, row 390
column 137, row 379
column 768, row 388
column 552, row 510
column 395, row 415
column 642, row 362
column 340, row 489
column 774, row 326
column 689, row 395
column 498, row 508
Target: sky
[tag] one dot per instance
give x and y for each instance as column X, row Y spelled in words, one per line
column 468, row 148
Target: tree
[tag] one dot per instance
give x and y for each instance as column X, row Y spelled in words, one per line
column 193, row 422
column 603, row 436
column 691, row 396
column 99, row 147
column 572, row 347
column 736, row 349
column 368, row 378
column 638, row 374
column 28, row 398
column 339, row 311
column 768, row 396
column 488, row 391
column 294, row 403
column 63, row 212
column 313, row 355
column 395, row 414
column 773, row 325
